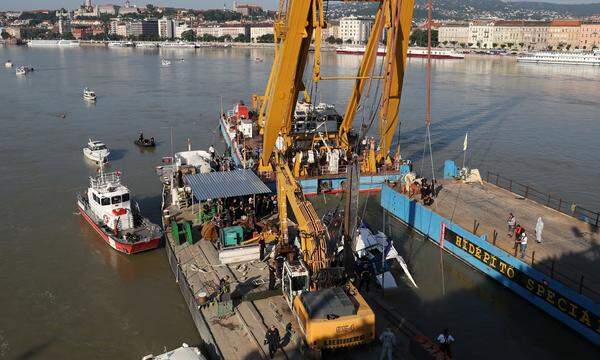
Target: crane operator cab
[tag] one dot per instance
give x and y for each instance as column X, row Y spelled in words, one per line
column 295, row 281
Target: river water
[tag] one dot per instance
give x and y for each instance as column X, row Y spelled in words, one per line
column 65, row 294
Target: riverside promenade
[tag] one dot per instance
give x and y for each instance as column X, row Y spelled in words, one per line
column 570, row 248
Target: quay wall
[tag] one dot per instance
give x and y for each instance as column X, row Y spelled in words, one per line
column 209, row 345
column 574, row 310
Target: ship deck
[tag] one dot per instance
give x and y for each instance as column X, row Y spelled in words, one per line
column 240, row 336
column 570, row 248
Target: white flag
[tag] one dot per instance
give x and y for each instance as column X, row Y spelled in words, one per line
column 465, row 143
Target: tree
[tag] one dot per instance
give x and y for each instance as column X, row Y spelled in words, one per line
column 5, row 35
column 348, row 41
column 224, row 38
column 453, row 42
column 445, row 42
column 510, row 45
column 419, row 37
column 188, row 35
column 208, row 38
column 242, row 38
column 494, row 45
column 266, row 38
column 479, row 44
column 151, row 10
column 521, row 44
column 568, row 47
column 470, row 44
column 503, row 46
column 67, row 36
column 462, row 45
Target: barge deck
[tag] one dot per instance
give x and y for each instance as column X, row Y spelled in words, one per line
column 197, row 270
column 570, row 248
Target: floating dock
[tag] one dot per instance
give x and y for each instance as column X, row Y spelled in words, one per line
column 239, row 335
column 559, row 275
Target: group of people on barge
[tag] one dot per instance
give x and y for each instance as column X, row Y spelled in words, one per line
column 245, row 211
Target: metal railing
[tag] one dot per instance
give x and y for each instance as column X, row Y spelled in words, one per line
column 550, row 268
column 554, row 202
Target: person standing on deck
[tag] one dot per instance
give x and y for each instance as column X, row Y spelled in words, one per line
column 512, row 222
column 539, row 227
column 272, row 274
column 388, row 339
column 518, row 230
column 445, row 340
column 523, row 244
column 272, row 339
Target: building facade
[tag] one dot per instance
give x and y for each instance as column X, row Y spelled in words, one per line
column 108, row 9
column 508, row 34
column 219, row 31
column 355, row 29
column 144, row 28
column 258, row 31
column 456, row 34
column 333, row 29
column 563, row 34
column 180, row 28
column 166, row 28
column 481, row 34
column 589, row 36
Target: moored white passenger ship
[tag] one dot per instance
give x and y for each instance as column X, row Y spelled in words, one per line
column 549, row 57
column 107, row 207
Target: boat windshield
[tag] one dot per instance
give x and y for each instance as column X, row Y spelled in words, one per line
column 99, row 147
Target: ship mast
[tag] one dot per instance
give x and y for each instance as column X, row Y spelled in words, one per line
column 428, row 70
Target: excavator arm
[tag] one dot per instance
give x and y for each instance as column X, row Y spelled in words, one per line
column 312, row 233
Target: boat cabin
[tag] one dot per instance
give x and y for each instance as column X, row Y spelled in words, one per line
column 110, row 201
column 96, row 145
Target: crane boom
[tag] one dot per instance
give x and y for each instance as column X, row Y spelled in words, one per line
column 398, row 22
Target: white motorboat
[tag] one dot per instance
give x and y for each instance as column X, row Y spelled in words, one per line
column 165, row 62
column 96, row 151
column 89, row 94
column 8, row 64
column 21, row 70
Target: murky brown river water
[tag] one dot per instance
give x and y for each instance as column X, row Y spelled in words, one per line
column 65, row 294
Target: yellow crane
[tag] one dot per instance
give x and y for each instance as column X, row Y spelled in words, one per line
column 297, row 23
column 330, row 311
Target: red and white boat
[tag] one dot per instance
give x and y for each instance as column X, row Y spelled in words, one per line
column 107, row 207
column 436, row 53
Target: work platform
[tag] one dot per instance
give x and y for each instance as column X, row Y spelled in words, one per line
column 570, row 248
column 240, row 335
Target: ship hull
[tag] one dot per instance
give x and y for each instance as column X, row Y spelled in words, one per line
column 132, row 248
column 312, row 186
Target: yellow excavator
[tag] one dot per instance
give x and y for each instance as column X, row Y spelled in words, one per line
column 330, row 311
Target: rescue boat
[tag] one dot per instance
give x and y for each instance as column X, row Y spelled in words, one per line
column 108, row 208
